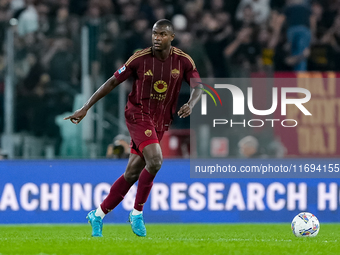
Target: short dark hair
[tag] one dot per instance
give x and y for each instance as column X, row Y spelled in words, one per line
column 165, row 22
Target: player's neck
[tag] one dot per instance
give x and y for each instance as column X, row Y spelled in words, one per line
column 162, row 55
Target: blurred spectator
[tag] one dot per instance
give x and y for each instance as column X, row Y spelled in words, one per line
column 159, row 12
column 119, row 148
column 129, row 14
column 259, row 8
column 216, row 5
column 4, row 17
column 93, row 22
column 111, row 48
column 60, row 26
column 140, row 35
column 216, row 35
column 249, row 147
column 196, row 50
column 298, row 30
column 267, row 51
column 331, row 43
column 193, row 11
column 31, row 93
column 28, row 20
column 248, row 17
column 17, row 5
column 180, row 22
column 59, row 61
column 322, row 53
column 244, row 50
column 44, row 21
column 221, row 36
column 317, row 22
column 276, row 149
column 268, row 38
column 106, row 8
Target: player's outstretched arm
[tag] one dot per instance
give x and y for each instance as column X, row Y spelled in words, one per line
column 105, row 89
column 186, row 109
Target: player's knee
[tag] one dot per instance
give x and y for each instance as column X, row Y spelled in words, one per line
column 131, row 175
column 154, row 164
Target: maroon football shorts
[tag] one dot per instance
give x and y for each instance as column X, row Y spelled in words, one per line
column 142, row 134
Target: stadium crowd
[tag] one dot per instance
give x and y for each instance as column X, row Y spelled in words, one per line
column 225, row 38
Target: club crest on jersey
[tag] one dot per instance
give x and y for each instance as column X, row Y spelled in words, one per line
column 174, row 73
column 148, row 132
column 160, row 86
column 122, row 69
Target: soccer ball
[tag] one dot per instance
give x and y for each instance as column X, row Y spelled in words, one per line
column 305, row 224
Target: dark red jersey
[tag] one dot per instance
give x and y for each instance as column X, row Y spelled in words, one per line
column 156, row 85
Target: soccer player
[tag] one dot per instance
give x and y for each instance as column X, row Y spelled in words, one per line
column 158, row 72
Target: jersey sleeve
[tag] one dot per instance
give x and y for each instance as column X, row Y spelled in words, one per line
column 190, row 71
column 126, row 70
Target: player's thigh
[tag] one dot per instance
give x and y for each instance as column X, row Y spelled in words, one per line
column 134, row 167
column 153, row 157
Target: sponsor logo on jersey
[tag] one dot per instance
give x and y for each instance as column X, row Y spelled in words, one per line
column 122, row 69
column 160, row 86
column 174, row 73
column 148, row 132
column 149, row 73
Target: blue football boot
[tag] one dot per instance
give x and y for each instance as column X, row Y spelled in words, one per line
column 96, row 224
column 137, row 224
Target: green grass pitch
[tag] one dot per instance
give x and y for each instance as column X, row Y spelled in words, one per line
column 167, row 239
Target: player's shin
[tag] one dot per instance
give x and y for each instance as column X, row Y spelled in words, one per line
column 117, row 192
column 145, row 183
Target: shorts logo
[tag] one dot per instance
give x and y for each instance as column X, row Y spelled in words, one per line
column 174, row 73
column 148, row 132
column 122, row 69
column 160, row 86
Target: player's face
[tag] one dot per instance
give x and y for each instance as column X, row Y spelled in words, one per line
column 162, row 37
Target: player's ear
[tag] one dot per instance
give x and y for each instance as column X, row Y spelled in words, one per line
column 172, row 36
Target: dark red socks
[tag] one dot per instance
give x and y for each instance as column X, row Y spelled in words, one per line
column 145, row 183
column 116, row 195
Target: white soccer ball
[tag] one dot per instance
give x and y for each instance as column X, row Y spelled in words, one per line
column 305, row 224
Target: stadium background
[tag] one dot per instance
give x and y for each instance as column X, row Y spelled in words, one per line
column 54, row 54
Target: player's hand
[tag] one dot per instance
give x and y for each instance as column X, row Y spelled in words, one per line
column 77, row 116
column 185, row 111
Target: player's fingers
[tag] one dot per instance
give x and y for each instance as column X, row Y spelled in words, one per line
column 184, row 114
column 80, row 119
column 185, row 108
column 188, row 112
column 66, row 118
